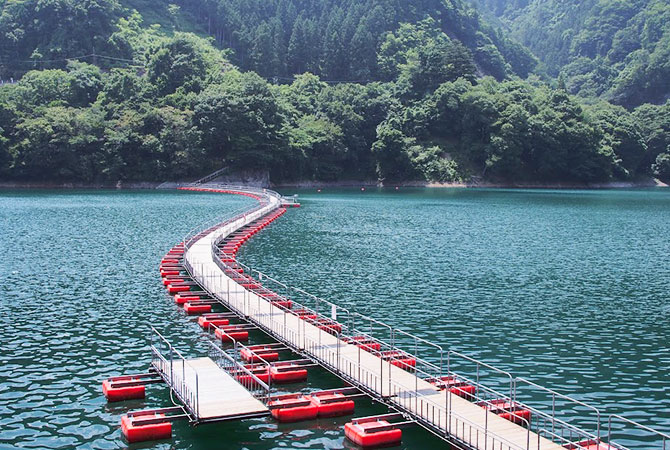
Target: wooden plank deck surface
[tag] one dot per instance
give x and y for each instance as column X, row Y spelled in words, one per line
column 220, row 396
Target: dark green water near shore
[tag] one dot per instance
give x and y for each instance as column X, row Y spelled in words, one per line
column 568, row 288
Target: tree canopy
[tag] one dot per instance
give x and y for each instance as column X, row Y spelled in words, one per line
column 442, row 100
column 618, row 50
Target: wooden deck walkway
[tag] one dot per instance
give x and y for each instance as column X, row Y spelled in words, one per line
column 452, row 415
column 220, row 396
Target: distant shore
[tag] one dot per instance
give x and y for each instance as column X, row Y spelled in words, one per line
column 336, row 184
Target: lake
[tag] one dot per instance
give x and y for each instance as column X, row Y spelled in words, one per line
column 567, row 288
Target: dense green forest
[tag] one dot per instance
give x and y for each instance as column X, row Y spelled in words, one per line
column 305, row 90
column 618, row 50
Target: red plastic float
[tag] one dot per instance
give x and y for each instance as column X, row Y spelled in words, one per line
column 293, row 409
column 305, row 313
column 173, row 289
column 120, row 393
column 457, row 387
column 399, row 359
column 591, row 444
column 287, row 374
column 333, row 404
column 509, row 410
column 149, row 432
column 226, row 335
column 373, row 433
column 168, row 280
column 246, row 380
column 205, row 322
column 365, row 343
column 254, row 354
column 191, row 308
column 167, row 273
column 286, row 304
column 180, row 299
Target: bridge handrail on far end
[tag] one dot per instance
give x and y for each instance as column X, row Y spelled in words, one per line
column 665, row 438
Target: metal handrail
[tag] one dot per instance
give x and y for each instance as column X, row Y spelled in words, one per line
column 481, row 363
column 565, row 442
column 238, row 367
column 418, row 339
column 553, row 417
column 665, row 437
column 450, row 413
column 195, row 409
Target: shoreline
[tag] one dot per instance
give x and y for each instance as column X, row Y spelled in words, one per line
column 339, row 184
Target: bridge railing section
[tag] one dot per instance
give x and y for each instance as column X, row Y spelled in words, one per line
column 284, row 324
column 176, row 371
column 432, row 362
column 618, row 434
column 248, row 379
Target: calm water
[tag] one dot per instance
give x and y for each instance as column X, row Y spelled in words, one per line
column 568, row 288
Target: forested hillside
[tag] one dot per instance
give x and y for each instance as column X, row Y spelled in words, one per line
column 618, row 50
column 275, row 38
column 338, row 39
column 438, row 97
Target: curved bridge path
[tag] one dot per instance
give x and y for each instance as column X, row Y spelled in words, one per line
column 449, row 416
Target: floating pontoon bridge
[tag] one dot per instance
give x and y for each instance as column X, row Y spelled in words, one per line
column 467, row 402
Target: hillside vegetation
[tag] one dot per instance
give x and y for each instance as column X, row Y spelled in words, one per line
column 146, row 101
column 618, row 50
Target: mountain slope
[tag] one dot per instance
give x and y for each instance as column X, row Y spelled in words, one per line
column 338, row 38
column 616, row 49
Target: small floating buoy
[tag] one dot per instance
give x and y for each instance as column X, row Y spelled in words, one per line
column 362, row 189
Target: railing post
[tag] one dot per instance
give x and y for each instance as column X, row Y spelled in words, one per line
column 337, row 361
column 197, row 397
column 486, row 428
column 171, row 375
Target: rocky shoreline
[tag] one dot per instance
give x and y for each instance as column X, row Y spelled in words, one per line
column 335, row 184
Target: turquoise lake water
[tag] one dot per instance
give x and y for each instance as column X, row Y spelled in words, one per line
column 568, row 288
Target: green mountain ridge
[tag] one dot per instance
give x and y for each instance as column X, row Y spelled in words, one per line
column 617, row 50
column 106, row 94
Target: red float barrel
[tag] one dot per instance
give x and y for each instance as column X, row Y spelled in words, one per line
column 293, row 409
column 282, row 374
column 205, row 322
column 333, row 405
column 141, row 433
column 197, row 308
column 365, row 435
column 121, row 393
